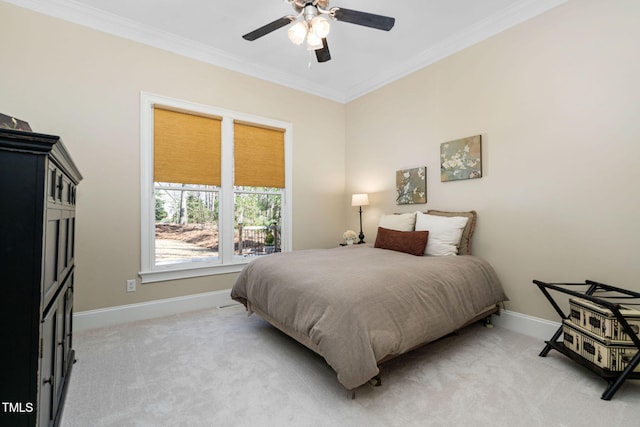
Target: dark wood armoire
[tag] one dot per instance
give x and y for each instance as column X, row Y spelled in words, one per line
column 38, row 182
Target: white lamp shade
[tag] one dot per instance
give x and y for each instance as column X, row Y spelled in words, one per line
column 360, row 200
column 297, row 33
column 313, row 42
column 320, row 26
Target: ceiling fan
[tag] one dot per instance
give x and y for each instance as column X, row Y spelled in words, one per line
column 314, row 27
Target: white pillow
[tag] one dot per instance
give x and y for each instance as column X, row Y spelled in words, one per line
column 398, row 222
column 444, row 232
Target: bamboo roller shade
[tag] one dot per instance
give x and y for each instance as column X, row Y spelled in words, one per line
column 258, row 156
column 186, row 148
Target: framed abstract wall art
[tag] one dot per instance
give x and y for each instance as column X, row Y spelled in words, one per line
column 461, row 159
column 411, row 186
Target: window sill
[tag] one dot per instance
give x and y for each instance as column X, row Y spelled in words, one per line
column 185, row 273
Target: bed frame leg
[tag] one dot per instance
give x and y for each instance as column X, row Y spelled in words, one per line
column 487, row 322
column 376, row 381
column 352, row 393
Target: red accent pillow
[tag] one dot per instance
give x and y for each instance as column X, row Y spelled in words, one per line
column 411, row 242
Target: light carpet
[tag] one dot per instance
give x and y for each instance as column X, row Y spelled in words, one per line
column 218, row 367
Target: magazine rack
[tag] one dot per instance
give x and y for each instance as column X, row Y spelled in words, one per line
column 608, row 297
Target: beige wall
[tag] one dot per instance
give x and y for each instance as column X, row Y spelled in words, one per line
column 85, row 86
column 557, row 101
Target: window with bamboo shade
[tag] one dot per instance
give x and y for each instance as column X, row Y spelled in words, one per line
column 258, row 156
column 214, row 179
column 186, row 148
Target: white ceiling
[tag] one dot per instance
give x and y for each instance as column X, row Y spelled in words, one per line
column 363, row 59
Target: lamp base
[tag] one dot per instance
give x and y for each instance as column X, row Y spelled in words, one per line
column 361, row 235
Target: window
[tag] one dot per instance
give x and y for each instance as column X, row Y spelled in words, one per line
column 215, row 188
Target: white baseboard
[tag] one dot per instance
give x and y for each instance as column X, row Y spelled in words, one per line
column 92, row 319
column 525, row 324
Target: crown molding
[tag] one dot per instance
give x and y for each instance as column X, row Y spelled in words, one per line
column 71, row 11
column 482, row 30
column 80, row 14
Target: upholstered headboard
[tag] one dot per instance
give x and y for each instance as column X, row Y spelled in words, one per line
column 467, row 233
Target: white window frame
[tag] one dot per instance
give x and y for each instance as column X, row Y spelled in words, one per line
column 227, row 261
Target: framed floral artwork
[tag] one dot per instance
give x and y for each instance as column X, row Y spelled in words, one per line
column 411, row 186
column 461, row 159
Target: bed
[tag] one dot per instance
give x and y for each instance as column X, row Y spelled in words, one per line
column 358, row 306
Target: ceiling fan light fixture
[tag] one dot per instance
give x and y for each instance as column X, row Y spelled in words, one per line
column 320, row 26
column 308, row 24
column 298, row 32
column 313, row 42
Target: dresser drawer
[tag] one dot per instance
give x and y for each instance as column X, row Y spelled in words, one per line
column 60, row 189
column 59, row 249
column 55, row 358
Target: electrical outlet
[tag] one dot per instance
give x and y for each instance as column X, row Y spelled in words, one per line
column 131, row 285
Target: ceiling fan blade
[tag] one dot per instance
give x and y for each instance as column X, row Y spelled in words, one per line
column 363, row 18
column 272, row 26
column 323, row 54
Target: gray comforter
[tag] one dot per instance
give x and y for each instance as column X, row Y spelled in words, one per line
column 357, row 306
